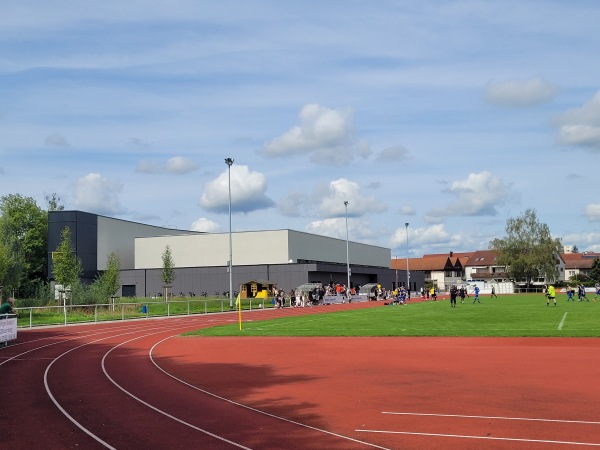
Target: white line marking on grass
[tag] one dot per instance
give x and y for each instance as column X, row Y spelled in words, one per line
column 562, row 322
column 493, row 417
column 545, row 441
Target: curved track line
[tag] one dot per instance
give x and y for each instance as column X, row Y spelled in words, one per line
column 250, row 408
column 59, row 406
column 166, row 414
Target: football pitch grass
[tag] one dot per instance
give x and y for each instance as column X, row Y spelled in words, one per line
column 506, row 316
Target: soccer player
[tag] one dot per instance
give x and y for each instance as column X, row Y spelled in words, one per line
column 597, row 286
column 550, row 295
column 570, row 293
column 476, row 290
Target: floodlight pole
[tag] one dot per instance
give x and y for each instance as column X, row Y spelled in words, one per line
column 347, row 252
column 229, row 162
column 407, row 271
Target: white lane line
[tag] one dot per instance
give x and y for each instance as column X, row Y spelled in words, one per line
column 181, row 421
column 562, row 322
column 493, row 417
column 544, row 441
column 59, row 406
column 331, row 433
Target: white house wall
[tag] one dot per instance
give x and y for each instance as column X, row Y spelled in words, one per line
column 254, row 248
column 311, row 247
column 207, row 250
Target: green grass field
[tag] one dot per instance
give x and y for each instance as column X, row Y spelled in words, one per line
column 510, row 315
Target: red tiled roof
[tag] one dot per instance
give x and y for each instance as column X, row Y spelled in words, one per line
column 482, row 258
column 579, row 260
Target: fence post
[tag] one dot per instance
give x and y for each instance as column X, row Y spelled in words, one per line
column 30, row 317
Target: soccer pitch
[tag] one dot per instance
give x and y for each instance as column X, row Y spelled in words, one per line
column 506, row 316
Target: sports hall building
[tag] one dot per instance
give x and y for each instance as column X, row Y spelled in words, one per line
column 285, row 258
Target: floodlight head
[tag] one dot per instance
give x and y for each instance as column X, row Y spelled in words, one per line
column 406, row 224
column 229, row 161
column 346, row 202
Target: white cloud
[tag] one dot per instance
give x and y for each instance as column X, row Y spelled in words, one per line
column 247, row 191
column 592, row 212
column 358, row 230
column 327, row 201
column 97, row 194
column 205, row 226
column 56, row 140
column 581, row 126
column 407, row 210
column 324, row 133
column 520, row 94
column 391, row 154
column 175, row 165
column 479, row 195
column 338, row 191
column 584, row 241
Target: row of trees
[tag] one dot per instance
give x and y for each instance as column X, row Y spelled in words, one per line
column 24, row 255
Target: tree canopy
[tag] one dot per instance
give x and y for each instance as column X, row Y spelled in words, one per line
column 67, row 267
column 24, row 237
column 168, row 273
column 528, row 250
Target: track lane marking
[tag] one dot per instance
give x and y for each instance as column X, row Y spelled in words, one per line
column 250, row 408
column 463, row 436
column 587, row 422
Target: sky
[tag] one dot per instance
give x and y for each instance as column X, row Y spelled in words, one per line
column 451, row 116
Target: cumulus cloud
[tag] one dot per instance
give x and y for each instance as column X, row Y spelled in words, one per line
column 97, row 194
column 407, row 210
column 175, row 165
column 592, row 212
column 479, row 195
column 326, row 134
column 435, row 234
column 56, row 140
column 205, row 226
column 520, row 94
column 358, row 230
column 247, row 191
column 581, row 126
column 327, row 201
column 392, row 154
column 584, row 241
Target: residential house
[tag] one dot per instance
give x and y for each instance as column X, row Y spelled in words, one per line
column 442, row 270
column 482, row 265
column 576, row 264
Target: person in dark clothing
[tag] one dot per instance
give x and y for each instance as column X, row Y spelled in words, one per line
column 453, row 292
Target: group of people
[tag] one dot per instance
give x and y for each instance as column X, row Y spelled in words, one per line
column 581, row 294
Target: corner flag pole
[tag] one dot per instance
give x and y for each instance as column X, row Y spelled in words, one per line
column 238, row 303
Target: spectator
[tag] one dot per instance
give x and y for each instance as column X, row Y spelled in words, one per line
column 7, row 307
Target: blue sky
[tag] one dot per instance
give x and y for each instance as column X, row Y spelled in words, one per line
column 450, row 115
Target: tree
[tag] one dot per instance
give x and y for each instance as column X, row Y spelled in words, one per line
column 109, row 280
column 528, row 250
column 67, row 266
column 168, row 273
column 24, row 234
column 53, row 202
column 595, row 270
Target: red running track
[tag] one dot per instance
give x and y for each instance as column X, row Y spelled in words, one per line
column 140, row 385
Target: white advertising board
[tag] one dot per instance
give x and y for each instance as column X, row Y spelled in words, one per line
column 8, row 329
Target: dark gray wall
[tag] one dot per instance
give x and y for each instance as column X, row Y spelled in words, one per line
column 84, row 241
column 148, row 282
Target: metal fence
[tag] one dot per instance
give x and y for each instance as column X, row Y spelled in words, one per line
column 31, row 316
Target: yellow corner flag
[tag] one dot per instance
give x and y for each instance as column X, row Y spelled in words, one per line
column 238, row 303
